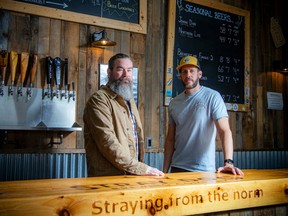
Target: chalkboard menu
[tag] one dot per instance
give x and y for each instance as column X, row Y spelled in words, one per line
column 216, row 35
column 127, row 15
column 124, row 10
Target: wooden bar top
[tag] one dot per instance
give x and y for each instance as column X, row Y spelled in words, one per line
column 173, row 194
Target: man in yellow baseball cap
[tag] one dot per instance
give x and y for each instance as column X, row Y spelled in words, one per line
column 195, row 117
column 188, row 60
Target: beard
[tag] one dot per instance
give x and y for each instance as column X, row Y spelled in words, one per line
column 194, row 84
column 122, row 87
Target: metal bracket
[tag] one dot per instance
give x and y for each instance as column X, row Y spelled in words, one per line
column 52, row 142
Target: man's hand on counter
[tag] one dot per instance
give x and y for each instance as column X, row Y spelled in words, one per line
column 229, row 168
column 153, row 172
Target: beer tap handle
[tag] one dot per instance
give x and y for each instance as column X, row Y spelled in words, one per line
column 13, row 68
column 3, row 64
column 57, row 63
column 66, row 77
column 23, row 70
column 33, row 71
column 73, row 89
column 24, row 65
column 13, row 65
column 49, row 63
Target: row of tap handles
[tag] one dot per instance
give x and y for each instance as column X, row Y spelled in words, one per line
column 52, row 65
column 56, row 66
column 13, row 60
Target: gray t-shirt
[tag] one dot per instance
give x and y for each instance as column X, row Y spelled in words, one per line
column 195, row 135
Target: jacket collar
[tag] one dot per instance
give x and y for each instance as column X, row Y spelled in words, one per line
column 108, row 91
column 112, row 94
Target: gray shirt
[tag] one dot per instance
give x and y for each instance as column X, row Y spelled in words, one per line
column 195, row 135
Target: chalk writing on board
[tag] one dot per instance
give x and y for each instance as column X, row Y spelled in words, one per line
column 216, row 38
column 123, row 10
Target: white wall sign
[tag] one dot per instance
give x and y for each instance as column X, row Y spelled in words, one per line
column 275, row 100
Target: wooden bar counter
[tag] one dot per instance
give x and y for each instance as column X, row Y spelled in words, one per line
column 173, row 194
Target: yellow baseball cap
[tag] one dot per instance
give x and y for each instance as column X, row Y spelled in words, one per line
column 188, row 60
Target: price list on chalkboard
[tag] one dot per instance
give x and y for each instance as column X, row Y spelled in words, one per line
column 217, row 39
column 122, row 10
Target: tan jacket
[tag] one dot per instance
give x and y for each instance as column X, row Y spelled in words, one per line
column 109, row 141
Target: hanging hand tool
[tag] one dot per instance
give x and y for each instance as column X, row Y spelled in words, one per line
column 23, row 70
column 13, row 68
column 33, row 71
column 3, row 64
column 57, row 64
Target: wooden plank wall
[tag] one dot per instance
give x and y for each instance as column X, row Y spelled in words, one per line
column 258, row 129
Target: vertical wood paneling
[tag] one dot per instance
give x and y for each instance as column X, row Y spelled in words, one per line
column 238, row 121
column 154, row 74
column 110, row 51
column 55, row 38
column 70, row 49
column 94, row 58
column 44, row 29
column 34, row 36
column 13, row 32
column 83, row 41
column 43, row 51
column 259, row 115
column 125, row 44
column 162, row 108
column 279, row 119
column 139, row 59
column 4, row 23
column 149, row 71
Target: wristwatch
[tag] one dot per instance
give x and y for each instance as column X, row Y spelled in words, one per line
column 230, row 161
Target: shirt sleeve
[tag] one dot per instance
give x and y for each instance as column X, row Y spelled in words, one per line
column 219, row 108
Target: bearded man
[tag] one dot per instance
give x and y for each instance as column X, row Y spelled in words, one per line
column 114, row 140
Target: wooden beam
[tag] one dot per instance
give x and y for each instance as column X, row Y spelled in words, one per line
column 173, row 194
column 62, row 14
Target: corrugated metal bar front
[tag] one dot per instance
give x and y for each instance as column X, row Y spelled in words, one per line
column 258, row 159
column 73, row 165
column 42, row 166
column 155, row 159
